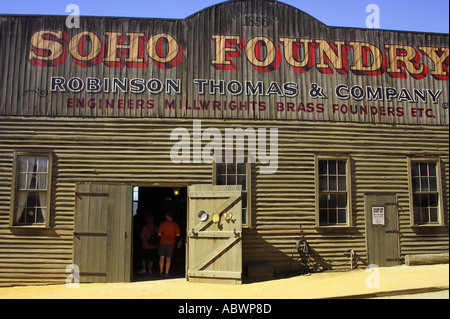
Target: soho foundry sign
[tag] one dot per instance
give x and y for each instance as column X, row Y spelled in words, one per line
column 222, row 63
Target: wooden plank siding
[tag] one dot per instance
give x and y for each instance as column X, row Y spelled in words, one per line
column 137, row 151
column 26, row 88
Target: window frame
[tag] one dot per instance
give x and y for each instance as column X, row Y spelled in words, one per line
column 440, row 209
column 248, row 167
column 349, row 190
column 14, row 191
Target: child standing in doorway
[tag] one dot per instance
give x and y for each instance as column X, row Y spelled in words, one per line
column 149, row 237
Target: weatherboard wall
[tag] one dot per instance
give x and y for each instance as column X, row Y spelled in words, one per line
column 136, row 151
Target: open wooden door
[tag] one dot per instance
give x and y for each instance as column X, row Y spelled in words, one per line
column 102, row 237
column 215, row 234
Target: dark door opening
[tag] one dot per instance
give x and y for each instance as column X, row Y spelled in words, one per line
column 156, row 201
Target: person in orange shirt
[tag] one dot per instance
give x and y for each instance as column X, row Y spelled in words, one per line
column 168, row 231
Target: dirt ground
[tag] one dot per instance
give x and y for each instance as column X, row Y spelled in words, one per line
column 319, row 285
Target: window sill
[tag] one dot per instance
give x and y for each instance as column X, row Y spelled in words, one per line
column 31, row 229
column 429, row 228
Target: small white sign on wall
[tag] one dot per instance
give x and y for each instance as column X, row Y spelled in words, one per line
column 377, row 215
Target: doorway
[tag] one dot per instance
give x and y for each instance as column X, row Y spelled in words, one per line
column 382, row 229
column 156, row 201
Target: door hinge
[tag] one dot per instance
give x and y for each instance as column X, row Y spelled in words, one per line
column 78, row 234
column 392, row 231
column 392, row 204
column 79, row 194
column 394, row 259
column 102, row 274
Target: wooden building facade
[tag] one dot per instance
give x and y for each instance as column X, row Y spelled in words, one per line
column 344, row 136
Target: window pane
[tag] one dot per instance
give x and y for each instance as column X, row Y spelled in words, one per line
column 417, row 219
column 221, row 180
column 32, row 216
column 342, row 168
column 22, row 181
column 332, row 201
column 424, row 215
column 415, row 169
column 333, row 183
column 22, row 163
column 323, row 183
column 424, row 202
column 423, row 169
column 32, row 165
column 342, row 201
column 342, row 216
column 242, row 168
column 27, row 216
column 432, row 169
column 342, row 183
column 433, row 184
column 323, row 217
column 416, row 200
column 221, row 169
column 42, row 164
column 416, row 184
column 323, row 168
column 42, row 181
column 31, row 180
column 32, row 200
column 433, row 200
column 424, row 182
column 433, row 215
column 332, row 216
column 332, row 167
column 323, row 201
column 39, row 216
column 231, row 180
column 231, row 169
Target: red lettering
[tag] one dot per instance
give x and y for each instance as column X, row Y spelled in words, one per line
column 47, row 48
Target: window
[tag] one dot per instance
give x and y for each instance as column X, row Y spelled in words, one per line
column 236, row 174
column 425, row 192
column 332, row 191
column 31, row 189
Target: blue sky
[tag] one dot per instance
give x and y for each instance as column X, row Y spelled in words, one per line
column 410, row 15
